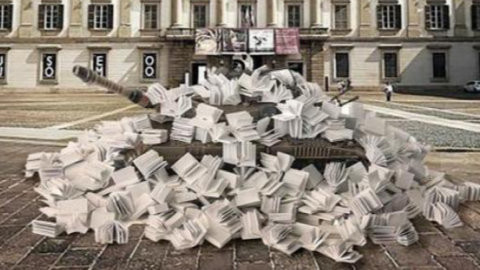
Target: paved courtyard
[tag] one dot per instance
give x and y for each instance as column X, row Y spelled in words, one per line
column 45, row 122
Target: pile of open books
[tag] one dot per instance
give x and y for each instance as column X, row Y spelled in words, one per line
column 326, row 207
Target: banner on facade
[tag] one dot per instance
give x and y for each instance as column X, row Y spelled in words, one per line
column 149, row 66
column 99, row 64
column 234, row 41
column 287, row 41
column 208, row 41
column 261, row 41
column 3, row 60
column 49, row 66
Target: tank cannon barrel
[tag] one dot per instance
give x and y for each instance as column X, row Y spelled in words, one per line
column 91, row 77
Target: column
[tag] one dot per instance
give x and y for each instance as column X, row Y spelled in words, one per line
column 316, row 13
column 124, row 30
column 272, row 13
column 221, row 13
column 26, row 18
column 177, row 13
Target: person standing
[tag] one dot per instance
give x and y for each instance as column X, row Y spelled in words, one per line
column 388, row 89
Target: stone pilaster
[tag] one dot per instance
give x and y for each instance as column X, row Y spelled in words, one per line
column 75, row 27
column 414, row 18
column 366, row 29
column 124, row 29
column 459, row 11
column 26, row 18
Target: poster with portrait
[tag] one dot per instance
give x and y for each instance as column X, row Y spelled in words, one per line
column 208, row 41
column 287, row 41
column 234, row 40
column 261, row 41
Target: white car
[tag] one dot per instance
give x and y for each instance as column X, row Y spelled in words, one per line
column 472, row 87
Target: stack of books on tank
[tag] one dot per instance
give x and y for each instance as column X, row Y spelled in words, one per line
column 121, row 203
column 336, row 131
column 34, row 162
column 336, row 175
column 157, row 94
column 221, row 90
column 224, row 220
column 176, row 108
column 365, row 202
column 47, row 228
column 206, row 116
column 149, row 163
column 281, row 162
column 121, row 178
column 254, row 86
column 286, row 213
column 242, row 126
column 290, row 117
column 182, row 130
column 154, row 136
column 111, row 232
column 242, row 154
column 279, row 237
column 73, row 215
column 277, row 94
column 319, row 200
column 189, row 168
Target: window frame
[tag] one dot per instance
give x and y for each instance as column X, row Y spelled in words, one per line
column 92, row 65
column 239, row 17
column 475, row 16
column 384, row 72
column 43, row 80
column 157, row 65
column 287, row 14
column 3, row 80
column 335, row 63
column 6, row 12
column 207, row 13
column 446, row 69
column 106, row 9
column 389, row 17
column 144, row 16
column 437, row 17
column 347, row 16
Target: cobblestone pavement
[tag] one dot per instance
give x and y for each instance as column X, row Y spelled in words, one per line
column 438, row 248
column 20, row 249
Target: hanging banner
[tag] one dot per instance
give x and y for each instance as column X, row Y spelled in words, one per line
column 287, row 41
column 99, row 63
column 3, row 60
column 208, row 41
column 234, row 40
column 261, row 41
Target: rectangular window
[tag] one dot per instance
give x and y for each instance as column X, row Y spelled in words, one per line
column 437, row 17
column 50, row 17
column 246, row 15
column 342, row 65
column 6, row 12
column 475, row 16
column 390, row 65
column 149, row 66
column 99, row 63
column 49, row 67
column 150, row 16
column 3, row 67
column 389, row 17
column 200, row 16
column 439, row 65
column 294, row 15
column 341, row 17
column 100, row 16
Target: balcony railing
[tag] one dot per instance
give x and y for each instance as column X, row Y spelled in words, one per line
column 189, row 33
column 180, row 33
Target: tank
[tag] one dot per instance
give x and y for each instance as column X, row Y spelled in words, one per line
column 318, row 150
